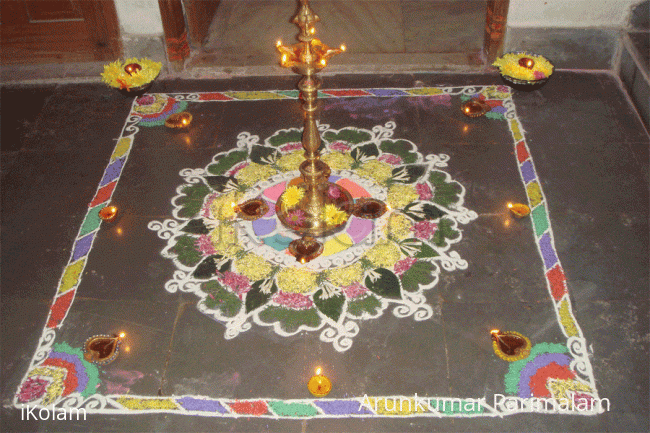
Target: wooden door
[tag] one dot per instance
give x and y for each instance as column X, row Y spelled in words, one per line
column 58, row 31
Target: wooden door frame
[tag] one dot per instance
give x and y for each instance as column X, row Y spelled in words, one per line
column 173, row 14
column 496, row 18
column 27, row 42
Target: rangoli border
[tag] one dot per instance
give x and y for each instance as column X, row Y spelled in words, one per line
column 353, row 407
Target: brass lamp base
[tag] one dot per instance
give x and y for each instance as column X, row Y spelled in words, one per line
column 306, row 219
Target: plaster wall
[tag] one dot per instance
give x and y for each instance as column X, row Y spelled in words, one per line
column 570, row 13
column 139, row 17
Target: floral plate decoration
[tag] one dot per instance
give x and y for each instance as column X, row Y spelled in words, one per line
column 242, row 270
column 524, row 71
column 131, row 76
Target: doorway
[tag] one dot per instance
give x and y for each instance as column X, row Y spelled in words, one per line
column 425, row 34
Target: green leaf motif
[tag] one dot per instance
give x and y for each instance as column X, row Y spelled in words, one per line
column 414, row 247
column 256, row 296
column 419, row 273
column 186, row 251
column 369, row 304
column 426, row 251
column 332, row 307
column 210, row 265
column 221, row 299
column 361, row 153
column 401, row 148
column 347, row 135
column 226, row 162
column 263, row 155
column 193, row 200
column 221, row 183
column 445, row 231
column 289, row 319
column 445, row 192
column 196, row 227
column 284, row 137
column 387, row 285
column 408, row 173
column 421, row 211
column 205, row 269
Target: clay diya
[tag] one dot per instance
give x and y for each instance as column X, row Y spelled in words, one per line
column 253, row 209
column 305, row 249
column 475, row 107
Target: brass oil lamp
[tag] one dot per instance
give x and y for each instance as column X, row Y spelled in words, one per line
column 314, row 207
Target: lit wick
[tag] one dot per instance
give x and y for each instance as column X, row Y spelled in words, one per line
column 519, row 210
column 526, row 62
column 179, row 120
column 475, row 107
column 132, row 68
column 108, row 213
column 319, row 385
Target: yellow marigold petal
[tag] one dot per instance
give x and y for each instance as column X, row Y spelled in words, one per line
column 345, row 276
column 384, row 254
column 400, row 195
column 291, row 161
column 253, row 173
column 338, row 160
column 399, row 226
column 223, row 207
column 333, row 215
column 225, row 241
column 292, row 196
column 377, row 170
column 295, row 280
column 253, row 267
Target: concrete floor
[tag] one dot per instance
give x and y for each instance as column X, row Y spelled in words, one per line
column 590, row 151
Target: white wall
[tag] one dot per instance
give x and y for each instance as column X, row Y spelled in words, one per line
column 570, row 13
column 142, row 17
column 139, row 17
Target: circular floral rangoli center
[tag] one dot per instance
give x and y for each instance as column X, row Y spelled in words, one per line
column 243, row 272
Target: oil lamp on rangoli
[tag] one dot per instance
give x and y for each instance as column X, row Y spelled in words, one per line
column 312, row 206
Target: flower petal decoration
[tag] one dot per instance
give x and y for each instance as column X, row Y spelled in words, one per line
column 510, row 65
column 292, row 196
column 244, row 272
column 116, row 74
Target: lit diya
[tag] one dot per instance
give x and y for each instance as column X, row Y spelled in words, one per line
column 179, row 120
column 103, row 349
column 526, row 62
column 518, row 209
column 510, row 345
column 108, row 213
column 132, row 68
column 319, row 385
column 305, row 249
column 475, row 107
column 253, row 209
column 524, row 71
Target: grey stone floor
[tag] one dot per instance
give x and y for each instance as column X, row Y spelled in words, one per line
column 591, row 154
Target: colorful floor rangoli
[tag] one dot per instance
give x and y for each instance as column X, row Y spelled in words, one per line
column 243, row 275
column 243, row 272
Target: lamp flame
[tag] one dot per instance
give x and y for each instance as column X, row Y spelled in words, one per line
column 319, row 371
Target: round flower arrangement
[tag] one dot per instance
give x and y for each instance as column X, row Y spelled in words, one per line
column 242, row 270
column 131, row 75
column 524, row 69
